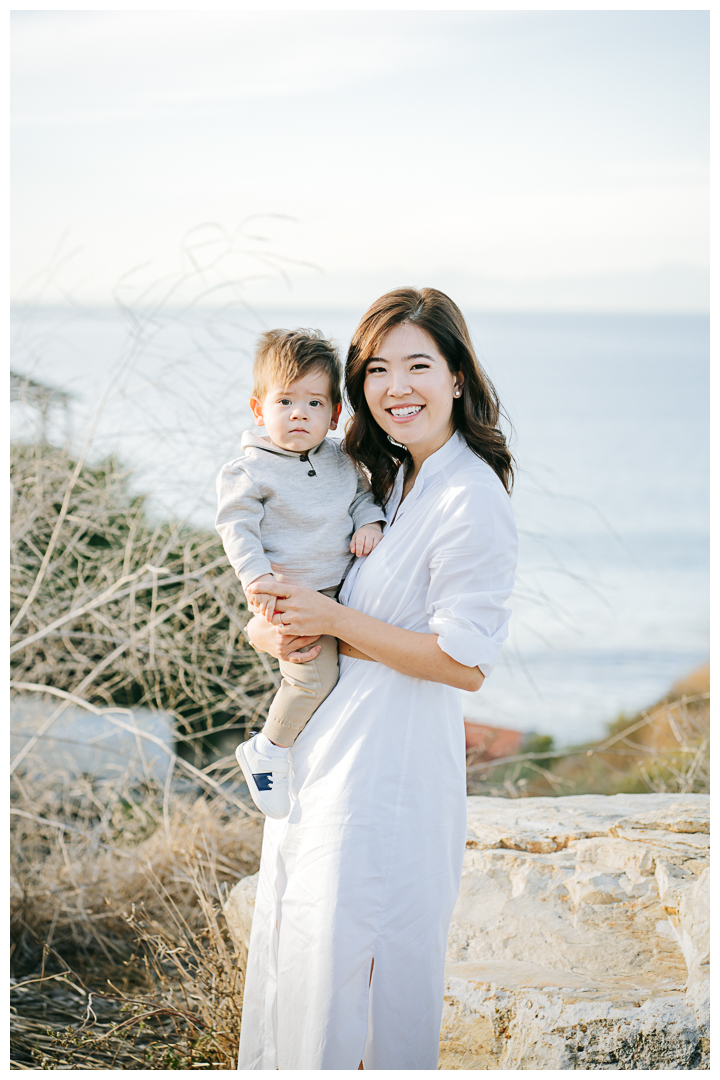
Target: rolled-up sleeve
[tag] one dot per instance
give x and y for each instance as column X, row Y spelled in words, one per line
column 472, row 568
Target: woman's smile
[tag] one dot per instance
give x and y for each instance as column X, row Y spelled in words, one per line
column 404, row 412
column 410, row 390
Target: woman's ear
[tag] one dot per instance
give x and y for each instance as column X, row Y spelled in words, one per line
column 458, row 383
column 256, row 406
column 337, row 409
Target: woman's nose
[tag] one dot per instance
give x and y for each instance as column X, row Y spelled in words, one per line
column 399, row 385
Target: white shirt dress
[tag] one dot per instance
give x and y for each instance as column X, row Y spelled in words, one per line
column 367, row 865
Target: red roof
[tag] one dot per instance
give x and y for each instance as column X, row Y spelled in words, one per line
column 487, row 743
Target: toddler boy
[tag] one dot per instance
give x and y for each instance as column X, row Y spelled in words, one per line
column 293, row 508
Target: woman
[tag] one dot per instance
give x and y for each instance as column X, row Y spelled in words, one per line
column 357, row 886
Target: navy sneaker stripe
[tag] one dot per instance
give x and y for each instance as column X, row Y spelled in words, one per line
column 263, row 780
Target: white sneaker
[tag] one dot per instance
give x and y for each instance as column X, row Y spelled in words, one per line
column 267, row 779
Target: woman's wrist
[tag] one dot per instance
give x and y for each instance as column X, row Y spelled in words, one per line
column 339, row 620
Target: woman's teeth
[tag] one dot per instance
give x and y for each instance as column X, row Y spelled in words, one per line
column 406, row 410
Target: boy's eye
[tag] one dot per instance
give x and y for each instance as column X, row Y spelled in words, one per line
column 316, row 403
column 284, row 401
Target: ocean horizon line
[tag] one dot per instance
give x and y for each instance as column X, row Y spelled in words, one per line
column 86, row 307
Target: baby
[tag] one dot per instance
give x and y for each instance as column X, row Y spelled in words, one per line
column 293, row 508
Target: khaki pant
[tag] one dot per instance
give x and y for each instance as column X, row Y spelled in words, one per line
column 303, row 689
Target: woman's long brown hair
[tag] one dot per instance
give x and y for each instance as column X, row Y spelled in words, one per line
column 476, row 413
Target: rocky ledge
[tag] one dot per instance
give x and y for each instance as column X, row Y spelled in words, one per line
column 580, row 936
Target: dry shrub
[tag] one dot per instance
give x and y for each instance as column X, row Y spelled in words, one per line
column 121, row 954
column 118, row 610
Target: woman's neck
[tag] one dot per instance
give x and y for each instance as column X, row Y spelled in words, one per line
column 420, row 454
column 416, row 461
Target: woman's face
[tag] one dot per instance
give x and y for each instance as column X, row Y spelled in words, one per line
column 410, row 390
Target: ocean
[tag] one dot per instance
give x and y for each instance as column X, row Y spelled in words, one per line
column 610, row 430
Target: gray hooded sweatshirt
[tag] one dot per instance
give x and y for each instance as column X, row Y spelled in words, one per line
column 292, row 514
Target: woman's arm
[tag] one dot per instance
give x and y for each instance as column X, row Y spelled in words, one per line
column 406, row 651
column 305, row 613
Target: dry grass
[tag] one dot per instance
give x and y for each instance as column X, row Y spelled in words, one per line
column 665, row 749
column 120, row 953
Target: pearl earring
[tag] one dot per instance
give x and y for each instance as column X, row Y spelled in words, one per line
column 458, row 393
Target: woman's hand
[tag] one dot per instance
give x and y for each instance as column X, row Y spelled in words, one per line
column 303, row 612
column 271, row 639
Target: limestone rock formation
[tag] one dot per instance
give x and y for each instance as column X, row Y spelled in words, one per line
column 580, row 936
column 579, row 940
column 239, row 909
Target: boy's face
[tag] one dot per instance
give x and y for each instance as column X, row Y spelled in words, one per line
column 298, row 417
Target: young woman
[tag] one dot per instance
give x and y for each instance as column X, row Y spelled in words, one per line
column 358, row 885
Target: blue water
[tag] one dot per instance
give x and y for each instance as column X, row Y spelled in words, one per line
column 611, row 435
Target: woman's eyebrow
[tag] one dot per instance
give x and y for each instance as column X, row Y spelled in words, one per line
column 412, row 356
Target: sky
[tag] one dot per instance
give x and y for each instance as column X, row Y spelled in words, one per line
column 552, row 160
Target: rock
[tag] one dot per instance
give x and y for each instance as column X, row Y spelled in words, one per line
column 580, row 936
column 85, row 742
column 579, row 940
column 239, row 908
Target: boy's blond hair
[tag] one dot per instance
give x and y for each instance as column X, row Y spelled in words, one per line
column 284, row 356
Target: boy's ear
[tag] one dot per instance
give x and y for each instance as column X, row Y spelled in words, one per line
column 337, row 409
column 256, row 406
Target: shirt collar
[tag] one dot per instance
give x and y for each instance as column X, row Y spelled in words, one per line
column 429, row 467
column 441, row 457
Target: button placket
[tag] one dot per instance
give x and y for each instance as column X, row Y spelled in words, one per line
column 311, row 470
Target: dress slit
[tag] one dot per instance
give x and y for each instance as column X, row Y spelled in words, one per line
column 372, row 968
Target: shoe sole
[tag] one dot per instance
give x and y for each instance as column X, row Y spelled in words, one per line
column 248, row 774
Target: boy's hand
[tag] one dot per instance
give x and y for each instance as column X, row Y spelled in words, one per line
column 260, row 602
column 366, row 539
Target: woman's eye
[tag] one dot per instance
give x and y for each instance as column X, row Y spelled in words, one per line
column 420, row 366
column 374, row 369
